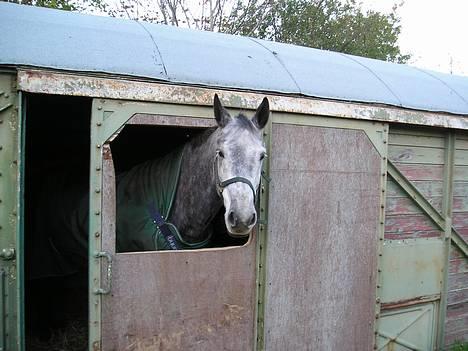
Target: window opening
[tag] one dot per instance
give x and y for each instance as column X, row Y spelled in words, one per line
column 137, row 144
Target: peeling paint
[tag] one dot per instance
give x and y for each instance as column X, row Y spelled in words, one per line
column 51, row 82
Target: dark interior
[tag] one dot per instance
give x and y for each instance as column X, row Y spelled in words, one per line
column 57, row 146
column 57, row 138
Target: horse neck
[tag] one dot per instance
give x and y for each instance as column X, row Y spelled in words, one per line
column 196, row 201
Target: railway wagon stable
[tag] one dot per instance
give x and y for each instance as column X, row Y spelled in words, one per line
column 362, row 236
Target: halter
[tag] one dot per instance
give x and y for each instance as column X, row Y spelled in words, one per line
column 220, row 185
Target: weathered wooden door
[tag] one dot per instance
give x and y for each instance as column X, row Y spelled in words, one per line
column 11, row 192
column 178, row 300
column 423, row 285
column 325, row 222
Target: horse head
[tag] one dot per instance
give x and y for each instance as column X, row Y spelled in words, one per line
column 238, row 164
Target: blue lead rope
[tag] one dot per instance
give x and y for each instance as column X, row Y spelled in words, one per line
column 159, row 221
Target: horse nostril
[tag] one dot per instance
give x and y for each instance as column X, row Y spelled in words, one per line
column 232, row 218
column 253, row 219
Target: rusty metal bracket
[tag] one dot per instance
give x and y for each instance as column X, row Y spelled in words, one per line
column 425, row 206
column 106, row 290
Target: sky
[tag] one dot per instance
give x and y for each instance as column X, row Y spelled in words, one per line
column 434, row 32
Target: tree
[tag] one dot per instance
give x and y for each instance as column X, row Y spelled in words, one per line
column 325, row 24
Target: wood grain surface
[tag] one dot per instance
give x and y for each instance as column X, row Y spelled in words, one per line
column 322, row 240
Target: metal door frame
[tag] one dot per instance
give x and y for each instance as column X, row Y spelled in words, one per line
column 107, row 120
column 11, row 215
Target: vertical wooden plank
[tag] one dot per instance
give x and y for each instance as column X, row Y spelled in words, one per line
column 456, row 322
column 322, row 239
column 447, row 206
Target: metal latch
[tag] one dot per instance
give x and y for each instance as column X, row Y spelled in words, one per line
column 7, row 254
column 105, row 290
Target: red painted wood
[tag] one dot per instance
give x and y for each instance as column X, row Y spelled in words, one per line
column 460, row 204
column 460, row 220
column 405, row 205
column 413, row 235
column 408, row 223
column 458, row 280
column 457, row 296
column 458, row 311
column 458, row 265
column 421, row 171
column 455, row 253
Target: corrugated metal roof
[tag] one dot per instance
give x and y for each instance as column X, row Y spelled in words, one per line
column 47, row 38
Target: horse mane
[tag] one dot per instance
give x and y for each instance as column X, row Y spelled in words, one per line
column 242, row 121
column 200, row 138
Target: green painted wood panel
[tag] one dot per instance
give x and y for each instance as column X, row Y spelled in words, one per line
column 416, row 154
column 412, row 268
column 461, row 157
column 460, row 173
column 433, row 140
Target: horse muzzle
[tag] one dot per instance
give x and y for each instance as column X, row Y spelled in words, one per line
column 240, row 226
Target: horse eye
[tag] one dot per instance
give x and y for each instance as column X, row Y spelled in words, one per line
column 221, row 154
column 262, row 156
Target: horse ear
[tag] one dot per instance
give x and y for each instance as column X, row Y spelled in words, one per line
column 221, row 114
column 262, row 114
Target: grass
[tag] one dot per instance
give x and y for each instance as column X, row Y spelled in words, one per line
column 459, row 346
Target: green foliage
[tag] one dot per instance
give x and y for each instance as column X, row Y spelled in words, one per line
column 336, row 25
column 459, row 346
